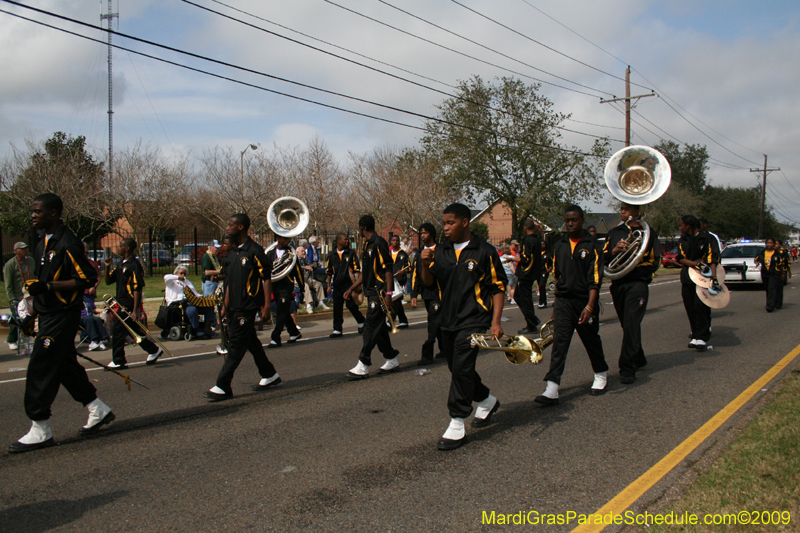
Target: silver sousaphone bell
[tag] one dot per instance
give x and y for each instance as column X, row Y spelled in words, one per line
column 287, row 217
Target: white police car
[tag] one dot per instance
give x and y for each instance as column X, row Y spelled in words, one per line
column 739, row 264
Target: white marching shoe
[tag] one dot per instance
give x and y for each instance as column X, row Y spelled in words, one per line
column 39, row 436
column 484, row 412
column 454, row 436
column 391, row 365
column 550, row 394
column 360, row 371
column 600, row 383
column 99, row 415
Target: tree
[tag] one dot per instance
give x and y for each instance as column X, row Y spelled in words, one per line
column 501, row 143
column 689, row 164
column 734, row 213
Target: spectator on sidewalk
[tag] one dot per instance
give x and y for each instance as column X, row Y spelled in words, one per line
column 16, row 272
column 314, row 291
column 211, row 268
column 92, row 325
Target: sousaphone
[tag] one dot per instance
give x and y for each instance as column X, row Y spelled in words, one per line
column 287, row 217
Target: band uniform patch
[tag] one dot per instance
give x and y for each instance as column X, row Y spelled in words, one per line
column 372, row 305
column 283, row 300
column 472, row 343
column 641, row 302
column 471, row 264
column 244, row 261
column 369, row 253
column 435, row 307
column 51, row 255
column 242, row 321
column 583, row 254
column 47, row 341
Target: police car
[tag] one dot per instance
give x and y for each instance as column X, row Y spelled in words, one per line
column 738, row 261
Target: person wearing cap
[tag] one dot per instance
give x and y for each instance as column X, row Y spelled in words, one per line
column 211, row 268
column 16, row 272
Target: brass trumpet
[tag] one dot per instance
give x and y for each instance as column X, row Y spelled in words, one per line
column 137, row 338
column 382, row 298
column 518, row 348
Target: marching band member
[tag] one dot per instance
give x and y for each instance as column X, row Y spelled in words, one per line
column 58, row 303
column 472, row 282
column 248, row 275
column 129, row 279
column 578, row 268
column 696, row 247
column 547, row 267
column 341, row 262
column 431, row 296
column 772, row 272
column 631, row 292
column 787, row 270
column 529, row 271
column 282, row 291
column 400, row 270
column 376, row 277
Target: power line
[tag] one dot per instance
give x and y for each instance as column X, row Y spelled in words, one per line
column 789, row 182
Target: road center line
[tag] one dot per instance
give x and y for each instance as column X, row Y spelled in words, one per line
column 635, row 490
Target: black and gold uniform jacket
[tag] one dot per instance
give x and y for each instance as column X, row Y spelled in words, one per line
column 530, row 259
column 774, row 266
column 417, row 286
column 283, row 288
column 651, row 259
column 577, row 272
column 61, row 259
column 785, row 260
column 547, row 262
column 468, row 281
column 246, row 269
column 400, row 260
column 339, row 268
column 129, row 277
column 701, row 247
column 376, row 260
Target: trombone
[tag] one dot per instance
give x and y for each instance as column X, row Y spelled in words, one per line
column 382, row 298
column 518, row 349
column 111, row 302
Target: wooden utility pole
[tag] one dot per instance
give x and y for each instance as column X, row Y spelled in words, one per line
column 628, row 106
column 765, row 170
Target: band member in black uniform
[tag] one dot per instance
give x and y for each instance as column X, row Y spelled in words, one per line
column 376, row 277
column 400, row 272
column 772, row 272
column 696, row 247
column 341, row 262
column 227, row 246
column 129, row 278
column 63, row 272
column 547, row 267
column 786, row 271
column 430, row 295
column 472, row 282
column 529, row 270
column 578, row 269
column 282, row 293
column 248, row 275
column 631, row 292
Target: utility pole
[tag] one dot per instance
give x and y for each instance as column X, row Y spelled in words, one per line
column 765, row 170
column 110, row 17
column 628, row 106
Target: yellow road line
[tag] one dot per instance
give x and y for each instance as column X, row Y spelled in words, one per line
column 634, row 491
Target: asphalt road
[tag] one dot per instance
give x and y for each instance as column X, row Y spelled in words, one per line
column 320, row 453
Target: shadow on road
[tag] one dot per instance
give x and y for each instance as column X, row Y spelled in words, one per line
column 47, row 515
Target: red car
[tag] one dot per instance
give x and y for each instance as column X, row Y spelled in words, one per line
column 668, row 258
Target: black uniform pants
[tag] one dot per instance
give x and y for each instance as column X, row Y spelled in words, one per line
column 543, row 287
column 524, row 298
column 699, row 313
column 338, row 309
column 465, row 383
column 242, row 337
column 566, row 312
column 54, row 362
column 283, row 318
column 774, row 287
column 433, row 307
column 118, row 335
column 630, row 303
column 399, row 312
column 376, row 333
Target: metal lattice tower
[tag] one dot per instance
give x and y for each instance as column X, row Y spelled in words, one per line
column 110, row 17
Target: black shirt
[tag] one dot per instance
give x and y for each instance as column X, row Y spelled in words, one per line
column 468, row 283
column 61, row 259
column 284, row 288
column 246, row 269
column 339, row 268
column 129, row 277
column 376, row 261
column 417, row 286
column 650, row 260
column 577, row 271
column 701, row 247
column 400, row 260
column 530, row 260
column 774, row 267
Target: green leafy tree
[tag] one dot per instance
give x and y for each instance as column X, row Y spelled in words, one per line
column 500, row 142
column 734, row 213
column 689, row 164
column 481, row 229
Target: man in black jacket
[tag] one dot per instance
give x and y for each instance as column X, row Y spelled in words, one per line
column 772, row 272
column 631, row 292
column 282, row 292
column 472, row 282
column 431, row 295
column 400, row 272
column 578, row 268
column 63, row 272
column 248, row 278
column 529, row 271
column 341, row 262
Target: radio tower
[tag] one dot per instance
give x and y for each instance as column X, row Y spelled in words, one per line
column 110, row 17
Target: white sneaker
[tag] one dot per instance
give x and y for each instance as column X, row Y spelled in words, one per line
column 322, row 305
column 298, row 327
column 309, row 310
column 114, row 365
column 101, row 346
column 153, row 357
column 360, row 370
column 221, row 350
column 389, row 366
column 699, row 343
column 93, row 346
column 513, row 302
column 13, row 346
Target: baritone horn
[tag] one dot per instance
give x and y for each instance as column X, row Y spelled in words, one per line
column 112, row 302
column 287, row 217
column 635, row 175
column 518, row 349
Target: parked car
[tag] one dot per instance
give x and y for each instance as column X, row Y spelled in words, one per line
column 668, row 258
column 738, row 261
column 187, row 254
column 97, row 255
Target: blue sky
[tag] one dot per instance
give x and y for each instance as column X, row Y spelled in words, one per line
column 728, row 67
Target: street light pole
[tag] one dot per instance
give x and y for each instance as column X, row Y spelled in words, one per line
column 241, row 157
